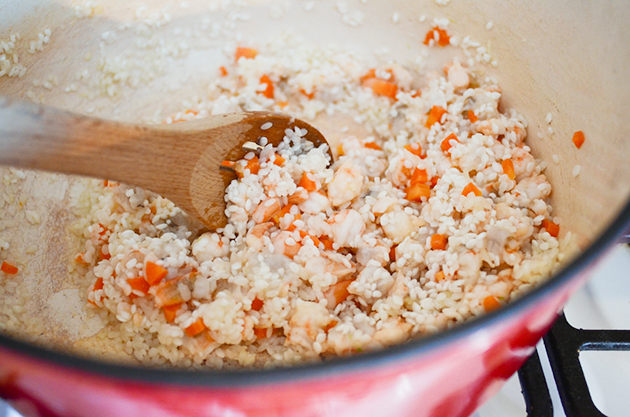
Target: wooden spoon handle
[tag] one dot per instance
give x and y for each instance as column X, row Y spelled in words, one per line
column 49, row 139
column 179, row 161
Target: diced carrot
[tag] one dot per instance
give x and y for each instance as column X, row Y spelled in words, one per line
column 490, row 303
column 79, row 259
column 223, row 71
column 269, row 90
column 439, row 276
column 552, row 228
column 508, row 168
column 93, row 303
column 292, row 226
column 315, row 239
column 392, row 254
column 472, row 117
column 253, row 165
column 154, row 273
column 229, row 165
column 370, row 74
column 372, row 145
column 415, row 149
column 247, row 53
column 279, row 161
column 438, row 242
column 416, row 192
column 282, row 104
column 98, row 285
column 139, row 284
column 435, row 116
column 471, row 188
column 195, row 328
column 307, row 183
column 257, row 304
column 167, row 293
column 443, row 38
column 170, row 312
column 260, row 333
column 419, row 176
column 330, row 325
column 337, row 293
column 310, row 95
column 382, row 87
column 279, row 215
column 578, row 139
column 328, row 243
column 105, row 256
column 434, row 181
column 103, row 230
column 446, row 143
column 407, row 172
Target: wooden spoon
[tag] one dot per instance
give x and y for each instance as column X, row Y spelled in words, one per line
column 178, row 161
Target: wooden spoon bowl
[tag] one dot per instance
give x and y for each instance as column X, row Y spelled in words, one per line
column 178, row 161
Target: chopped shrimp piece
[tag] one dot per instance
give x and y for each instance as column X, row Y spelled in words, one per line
column 285, row 244
column 299, row 196
column 457, row 75
column 496, row 239
column 265, row 210
column 513, row 219
column 394, row 331
column 534, row 188
column 315, row 204
column 346, row 184
column 400, row 224
column 347, row 227
column 384, row 204
column 255, row 236
column 378, row 253
column 523, row 162
column 337, row 293
column 319, row 265
column 372, row 283
column 308, row 320
column 469, row 266
column 399, row 288
column 209, row 246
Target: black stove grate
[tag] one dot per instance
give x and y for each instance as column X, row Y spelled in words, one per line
column 534, row 388
column 563, row 344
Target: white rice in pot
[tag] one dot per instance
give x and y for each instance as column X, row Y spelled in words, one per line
column 433, row 212
column 433, row 218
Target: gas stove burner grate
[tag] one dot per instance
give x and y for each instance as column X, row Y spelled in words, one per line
column 563, row 344
column 534, row 388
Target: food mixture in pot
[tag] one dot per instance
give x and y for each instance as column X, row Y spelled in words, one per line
column 433, row 212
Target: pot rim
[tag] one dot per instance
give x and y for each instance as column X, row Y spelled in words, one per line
column 312, row 371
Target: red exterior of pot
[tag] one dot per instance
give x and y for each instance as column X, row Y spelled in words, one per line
column 450, row 380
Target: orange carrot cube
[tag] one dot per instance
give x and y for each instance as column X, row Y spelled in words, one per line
column 471, row 188
column 578, row 139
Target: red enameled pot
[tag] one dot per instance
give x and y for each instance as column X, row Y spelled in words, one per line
column 560, row 57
